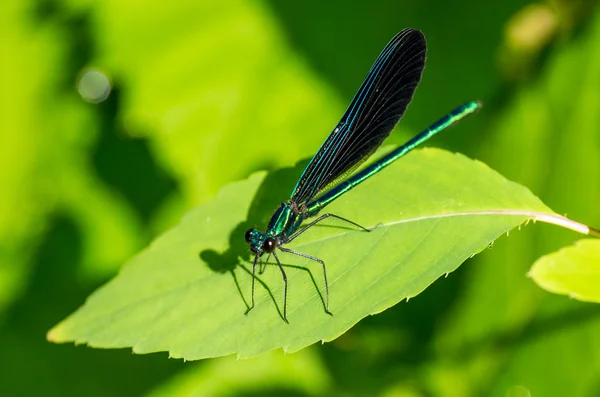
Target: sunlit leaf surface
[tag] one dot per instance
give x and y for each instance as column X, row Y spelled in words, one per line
column 434, row 210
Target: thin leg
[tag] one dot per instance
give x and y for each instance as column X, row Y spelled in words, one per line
column 253, row 277
column 285, row 287
column 263, row 265
column 324, row 273
column 321, row 218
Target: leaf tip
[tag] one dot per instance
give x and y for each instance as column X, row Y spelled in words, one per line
column 51, row 335
column 56, row 335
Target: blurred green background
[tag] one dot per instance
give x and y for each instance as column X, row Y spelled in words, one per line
column 203, row 93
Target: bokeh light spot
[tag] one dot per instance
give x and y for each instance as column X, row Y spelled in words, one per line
column 93, row 85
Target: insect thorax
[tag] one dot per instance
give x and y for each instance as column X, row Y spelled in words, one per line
column 285, row 221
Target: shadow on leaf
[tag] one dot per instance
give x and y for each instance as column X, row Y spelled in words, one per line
column 272, row 192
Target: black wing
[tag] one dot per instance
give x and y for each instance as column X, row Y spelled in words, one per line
column 373, row 113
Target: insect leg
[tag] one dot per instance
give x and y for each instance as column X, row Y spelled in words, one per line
column 285, row 288
column 321, row 218
column 253, row 277
column 263, row 265
column 324, row 273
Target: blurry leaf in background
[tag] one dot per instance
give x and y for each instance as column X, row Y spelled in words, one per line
column 44, row 135
column 573, row 271
column 504, row 330
column 217, row 91
column 434, row 210
column 62, row 229
column 273, row 374
column 21, row 211
column 527, row 33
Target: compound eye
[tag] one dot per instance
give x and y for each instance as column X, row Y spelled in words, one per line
column 248, row 235
column 269, row 245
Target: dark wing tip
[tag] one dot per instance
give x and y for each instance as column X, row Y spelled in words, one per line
column 374, row 111
column 413, row 38
column 410, row 34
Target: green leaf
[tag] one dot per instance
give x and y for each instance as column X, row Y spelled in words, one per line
column 433, row 209
column 573, row 271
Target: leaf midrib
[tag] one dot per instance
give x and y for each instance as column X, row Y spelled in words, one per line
column 541, row 216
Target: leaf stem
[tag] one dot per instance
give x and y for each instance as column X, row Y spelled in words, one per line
column 566, row 223
column 594, row 232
